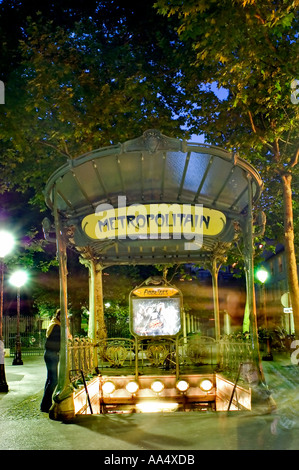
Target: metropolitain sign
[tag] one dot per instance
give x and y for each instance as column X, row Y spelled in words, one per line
column 153, row 221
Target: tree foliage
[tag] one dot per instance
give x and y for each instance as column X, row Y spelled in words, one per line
column 79, row 76
column 249, row 48
column 86, row 85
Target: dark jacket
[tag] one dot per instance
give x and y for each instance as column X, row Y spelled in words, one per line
column 53, row 340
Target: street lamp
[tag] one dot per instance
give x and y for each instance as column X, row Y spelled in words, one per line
column 262, row 276
column 18, row 279
column 6, row 245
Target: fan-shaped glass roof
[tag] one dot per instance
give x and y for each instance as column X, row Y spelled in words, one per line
column 150, row 170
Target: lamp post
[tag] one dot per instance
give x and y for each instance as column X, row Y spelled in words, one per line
column 18, row 279
column 6, row 245
column 262, row 276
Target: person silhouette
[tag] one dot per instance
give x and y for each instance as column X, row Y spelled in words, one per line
column 51, row 357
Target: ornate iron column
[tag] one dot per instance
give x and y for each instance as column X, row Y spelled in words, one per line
column 101, row 331
column 91, row 283
column 214, row 272
column 214, row 266
column 63, row 408
column 96, row 325
column 248, row 234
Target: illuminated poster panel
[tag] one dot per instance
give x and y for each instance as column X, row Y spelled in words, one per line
column 156, row 316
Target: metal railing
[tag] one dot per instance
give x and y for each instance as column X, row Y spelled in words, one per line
column 233, row 352
column 32, row 334
column 81, row 358
column 191, row 352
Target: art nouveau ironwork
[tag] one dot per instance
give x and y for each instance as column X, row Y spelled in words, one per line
column 92, row 195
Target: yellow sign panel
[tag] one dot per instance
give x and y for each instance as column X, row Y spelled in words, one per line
column 146, row 221
column 155, row 291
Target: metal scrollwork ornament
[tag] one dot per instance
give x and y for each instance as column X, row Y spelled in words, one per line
column 156, row 354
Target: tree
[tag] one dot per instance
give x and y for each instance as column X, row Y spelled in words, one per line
column 78, row 79
column 80, row 87
column 249, row 48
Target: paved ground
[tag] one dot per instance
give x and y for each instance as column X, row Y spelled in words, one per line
column 24, row 427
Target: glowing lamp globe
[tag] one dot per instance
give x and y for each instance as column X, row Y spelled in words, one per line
column 19, row 278
column 182, row 385
column 157, row 386
column 6, row 243
column 132, row 387
column 108, row 387
column 262, row 275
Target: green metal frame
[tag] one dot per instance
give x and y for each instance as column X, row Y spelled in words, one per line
column 67, row 194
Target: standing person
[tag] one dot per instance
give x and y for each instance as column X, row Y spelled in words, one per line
column 51, row 356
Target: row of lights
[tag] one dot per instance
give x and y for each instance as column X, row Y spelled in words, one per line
column 157, row 386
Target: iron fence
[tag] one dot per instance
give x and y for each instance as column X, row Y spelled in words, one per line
column 32, row 334
column 192, row 353
column 198, row 350
column 117, row 327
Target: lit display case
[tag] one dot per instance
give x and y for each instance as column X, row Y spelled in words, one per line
column 156, row 311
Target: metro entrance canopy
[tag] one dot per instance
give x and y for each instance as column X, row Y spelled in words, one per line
column 152, row 200
column 153, row 170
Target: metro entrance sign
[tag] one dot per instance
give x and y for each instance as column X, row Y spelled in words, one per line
column 182, row 190
column 153, row 221
column 139, row 203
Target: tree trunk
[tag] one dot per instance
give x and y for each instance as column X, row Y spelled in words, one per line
column 290, row 249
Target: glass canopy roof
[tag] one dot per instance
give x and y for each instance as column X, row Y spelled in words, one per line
column 152, row 169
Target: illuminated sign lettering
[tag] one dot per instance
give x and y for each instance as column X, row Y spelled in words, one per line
column 155, row 291
column 153, row 221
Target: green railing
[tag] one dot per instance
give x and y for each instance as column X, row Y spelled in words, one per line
column 151, row 356
column 183, row 355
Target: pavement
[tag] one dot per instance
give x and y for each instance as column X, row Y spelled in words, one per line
column 24, row 427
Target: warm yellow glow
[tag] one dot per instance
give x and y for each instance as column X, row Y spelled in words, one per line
column 157, row 386
column 132, row 387
column 155, row 291
column 155, row 219
column 108, row 387
column 182, row 385
column 206, row 385
column 156, row 407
